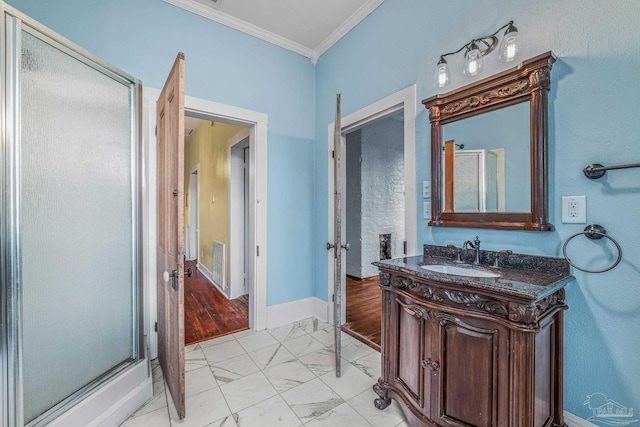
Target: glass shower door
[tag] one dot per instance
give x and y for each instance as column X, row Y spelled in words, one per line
column 75, row 185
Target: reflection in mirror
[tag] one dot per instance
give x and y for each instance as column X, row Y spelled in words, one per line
column 486, row 164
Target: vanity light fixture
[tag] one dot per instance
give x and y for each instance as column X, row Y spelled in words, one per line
column 476, row 49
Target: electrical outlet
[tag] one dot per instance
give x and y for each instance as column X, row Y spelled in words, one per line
column 426, row 189
column 426, row 209
column 574, row 209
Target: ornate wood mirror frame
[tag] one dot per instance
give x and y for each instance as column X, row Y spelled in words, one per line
column 530, row 81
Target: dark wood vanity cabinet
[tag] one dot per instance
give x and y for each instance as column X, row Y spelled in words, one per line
column 455, row 357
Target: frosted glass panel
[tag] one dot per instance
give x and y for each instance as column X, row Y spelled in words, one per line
column 490, row 182
column 76, row 224
column 466, row 175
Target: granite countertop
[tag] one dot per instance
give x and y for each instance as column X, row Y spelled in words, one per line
column 525, row 276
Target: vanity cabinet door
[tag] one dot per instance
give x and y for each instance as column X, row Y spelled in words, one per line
column 469, row 369
column 409, row 331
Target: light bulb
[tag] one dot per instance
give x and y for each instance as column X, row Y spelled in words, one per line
column 441, row 76
column 510, row 44
column 473, row 61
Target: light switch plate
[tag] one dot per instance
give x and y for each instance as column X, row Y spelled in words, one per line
column 426, row 189
column 574, row 209
column 426, row 208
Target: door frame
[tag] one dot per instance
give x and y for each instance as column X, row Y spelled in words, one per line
column 237, row 239
column 404, row 100
column 194, row 171
column 257, row 123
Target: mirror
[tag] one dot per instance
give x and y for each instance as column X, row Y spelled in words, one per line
column 489, row 151
column 491, row 164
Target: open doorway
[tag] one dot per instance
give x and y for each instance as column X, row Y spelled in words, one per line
column 216, row 216
column 257, row 125
column 378, row 179
column 374, row 217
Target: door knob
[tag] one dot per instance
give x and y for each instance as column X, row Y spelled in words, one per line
column 345, row 246
column 189, row 272
column 166, row 276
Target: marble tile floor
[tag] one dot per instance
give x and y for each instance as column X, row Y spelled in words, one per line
column 277, row 377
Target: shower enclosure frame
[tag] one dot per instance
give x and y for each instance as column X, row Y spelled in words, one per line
column 11, row 375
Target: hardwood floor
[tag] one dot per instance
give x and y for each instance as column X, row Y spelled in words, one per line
column 364, row 310
column 207, row 312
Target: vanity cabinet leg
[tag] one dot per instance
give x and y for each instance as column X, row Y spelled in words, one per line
column 384, row 400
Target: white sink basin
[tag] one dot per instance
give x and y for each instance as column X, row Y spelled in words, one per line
column 459, row 271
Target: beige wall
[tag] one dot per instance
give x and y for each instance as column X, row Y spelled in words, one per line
column 208, row 147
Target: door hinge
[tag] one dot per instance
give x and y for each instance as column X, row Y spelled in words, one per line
column 333, row 297
column 156, row 130
column 156, row 327
column 404, row 247
column 333, row 154
column 257, row 250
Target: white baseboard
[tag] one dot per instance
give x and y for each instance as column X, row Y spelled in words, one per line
column 294, row 311
column 321, row 309
column 209, row 275
column 575, row 421
column 114, row 402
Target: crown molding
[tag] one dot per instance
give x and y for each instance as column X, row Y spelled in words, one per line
column 268, row 36
column 347, row 26
column 245, row 27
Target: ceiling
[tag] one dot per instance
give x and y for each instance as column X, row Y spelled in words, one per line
column 307, row 27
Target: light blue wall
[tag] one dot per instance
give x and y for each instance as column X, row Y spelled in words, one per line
column 142, row 37
column 593, row 118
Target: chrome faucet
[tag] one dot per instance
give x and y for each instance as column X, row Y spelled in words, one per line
column 475, row 245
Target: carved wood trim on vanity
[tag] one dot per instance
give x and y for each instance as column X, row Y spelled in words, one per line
column 453, row 355
column 525, row 314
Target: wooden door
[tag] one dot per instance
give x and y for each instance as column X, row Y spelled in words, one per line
column 337, row 243
column 170, row 136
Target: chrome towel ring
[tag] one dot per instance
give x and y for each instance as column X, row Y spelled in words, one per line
column 594, row 232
